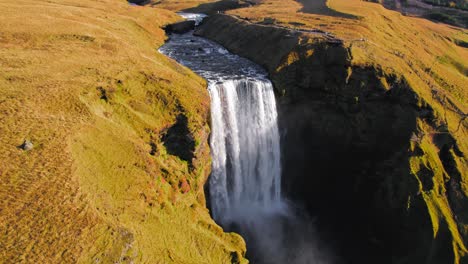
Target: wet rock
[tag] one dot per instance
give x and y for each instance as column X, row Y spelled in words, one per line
column 180, row 27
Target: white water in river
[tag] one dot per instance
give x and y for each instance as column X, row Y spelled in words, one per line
column 246, row 170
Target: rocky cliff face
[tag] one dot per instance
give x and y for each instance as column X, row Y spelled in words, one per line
column 365, row 152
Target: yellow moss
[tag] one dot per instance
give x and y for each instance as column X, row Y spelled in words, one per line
column 435, row 198
column 384, row 83
column 290, row 59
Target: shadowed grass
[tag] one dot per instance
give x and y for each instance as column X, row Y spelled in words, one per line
column 320, row 7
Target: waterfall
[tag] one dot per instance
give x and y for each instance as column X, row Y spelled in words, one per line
column 245, row 182
column 246, row 170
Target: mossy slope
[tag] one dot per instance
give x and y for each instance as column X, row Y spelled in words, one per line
column 84, row 82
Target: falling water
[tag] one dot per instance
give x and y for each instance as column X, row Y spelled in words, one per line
column 246, row 171
column 245, row 147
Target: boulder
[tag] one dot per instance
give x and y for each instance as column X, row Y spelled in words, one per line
column 27, row 145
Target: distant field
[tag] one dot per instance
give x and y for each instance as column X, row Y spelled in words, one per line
column 449, row 12
column 462, row 4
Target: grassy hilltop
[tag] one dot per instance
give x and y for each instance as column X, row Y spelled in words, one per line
column 83, row 81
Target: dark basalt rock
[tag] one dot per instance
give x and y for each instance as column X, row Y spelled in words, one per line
column 180, row 27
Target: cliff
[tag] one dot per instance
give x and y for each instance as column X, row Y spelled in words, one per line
column 374, row 139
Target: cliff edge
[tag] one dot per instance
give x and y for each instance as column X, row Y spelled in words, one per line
column 380, row 115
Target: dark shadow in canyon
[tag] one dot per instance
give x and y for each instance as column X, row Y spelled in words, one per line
column 320, row 7
column 139, row 2
column 218, row 6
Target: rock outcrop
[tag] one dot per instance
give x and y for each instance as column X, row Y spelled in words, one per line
column 362, row 149
column 180, row 27
column 26, row 146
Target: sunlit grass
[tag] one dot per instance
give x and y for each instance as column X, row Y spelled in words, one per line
column 84, row 82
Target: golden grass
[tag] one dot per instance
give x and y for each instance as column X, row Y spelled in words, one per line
column 436, row 201
column 90, row 191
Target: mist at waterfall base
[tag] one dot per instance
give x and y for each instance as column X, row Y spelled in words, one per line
column 245, row 183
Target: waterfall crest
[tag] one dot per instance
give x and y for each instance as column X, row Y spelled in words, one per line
column 246, row 169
